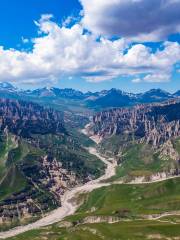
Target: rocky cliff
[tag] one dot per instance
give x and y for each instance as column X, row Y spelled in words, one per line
column 154, row 124
column 145, row 139
column 26, row 118
column 39, row 160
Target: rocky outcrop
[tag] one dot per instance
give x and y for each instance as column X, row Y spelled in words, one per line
column 42, row 194
column 153, row 124
column 20, row 207
column 26, row 118
column 31, row 161
column 56, row 179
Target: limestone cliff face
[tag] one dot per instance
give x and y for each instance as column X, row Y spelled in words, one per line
column 154, row 124
column 26, row 118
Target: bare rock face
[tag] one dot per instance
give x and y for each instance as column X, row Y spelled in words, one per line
column 56, row 179
column 40, row 177
column 42, row 194
column 26, row 118
column 141, row 137
column 167, row 150
column 154, row 124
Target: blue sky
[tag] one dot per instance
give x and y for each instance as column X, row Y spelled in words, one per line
column 17, row 17
column 91, row 45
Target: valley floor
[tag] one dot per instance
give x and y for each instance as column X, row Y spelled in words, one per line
column 134, row 230
column 70, row 205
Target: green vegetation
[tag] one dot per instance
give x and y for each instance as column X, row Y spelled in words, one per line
column 11, row 178
column 15, row 179
column 114, row 144
column 17, row 154
column 137, row 160
column 137, row 199
column 80, row 138
column 177, row 145
column 6, row 144
column 13, row 182
column 133, row 230
column 68, row 150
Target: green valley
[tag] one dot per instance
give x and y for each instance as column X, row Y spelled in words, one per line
column 133, row 206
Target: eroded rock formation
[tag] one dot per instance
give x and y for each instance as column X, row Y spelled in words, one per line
column 154, row 124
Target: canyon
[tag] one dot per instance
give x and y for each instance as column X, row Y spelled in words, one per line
column 41, row 151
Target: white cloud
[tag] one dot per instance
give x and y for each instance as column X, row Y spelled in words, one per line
column 157, row 77
column 143, row 20
column 136, row 80
column 25, row 40
column 62, row 52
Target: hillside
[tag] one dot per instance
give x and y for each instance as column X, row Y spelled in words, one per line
column 121, row 212
column 42, row 153
column 39, row 160
column 145, row 138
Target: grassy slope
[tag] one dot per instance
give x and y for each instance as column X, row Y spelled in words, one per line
column 112, row 201
column 13, row 182
column 137, row 159
column 140, row 160
column 69, row 151
column 11, row 179
column 177, row 145
column 113, row 145
column 6, row 145
column 139, row 199
column 136, row 230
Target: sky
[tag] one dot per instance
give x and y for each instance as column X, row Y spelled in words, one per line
column 133, row 45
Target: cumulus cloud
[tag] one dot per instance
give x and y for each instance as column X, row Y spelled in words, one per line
column 141, row 20
column 136, row 80
column 61, row 52
column 157, row 77
column 25, row 40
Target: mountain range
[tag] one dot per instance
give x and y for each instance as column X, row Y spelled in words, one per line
column 43, row 153
column 92, row 100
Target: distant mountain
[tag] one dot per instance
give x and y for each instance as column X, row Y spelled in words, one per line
column 154, row 95
column 56, row 92
column 112, row 98
column 117, row 98
column 177, row 94
column 6, row 86
column 94, row 100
